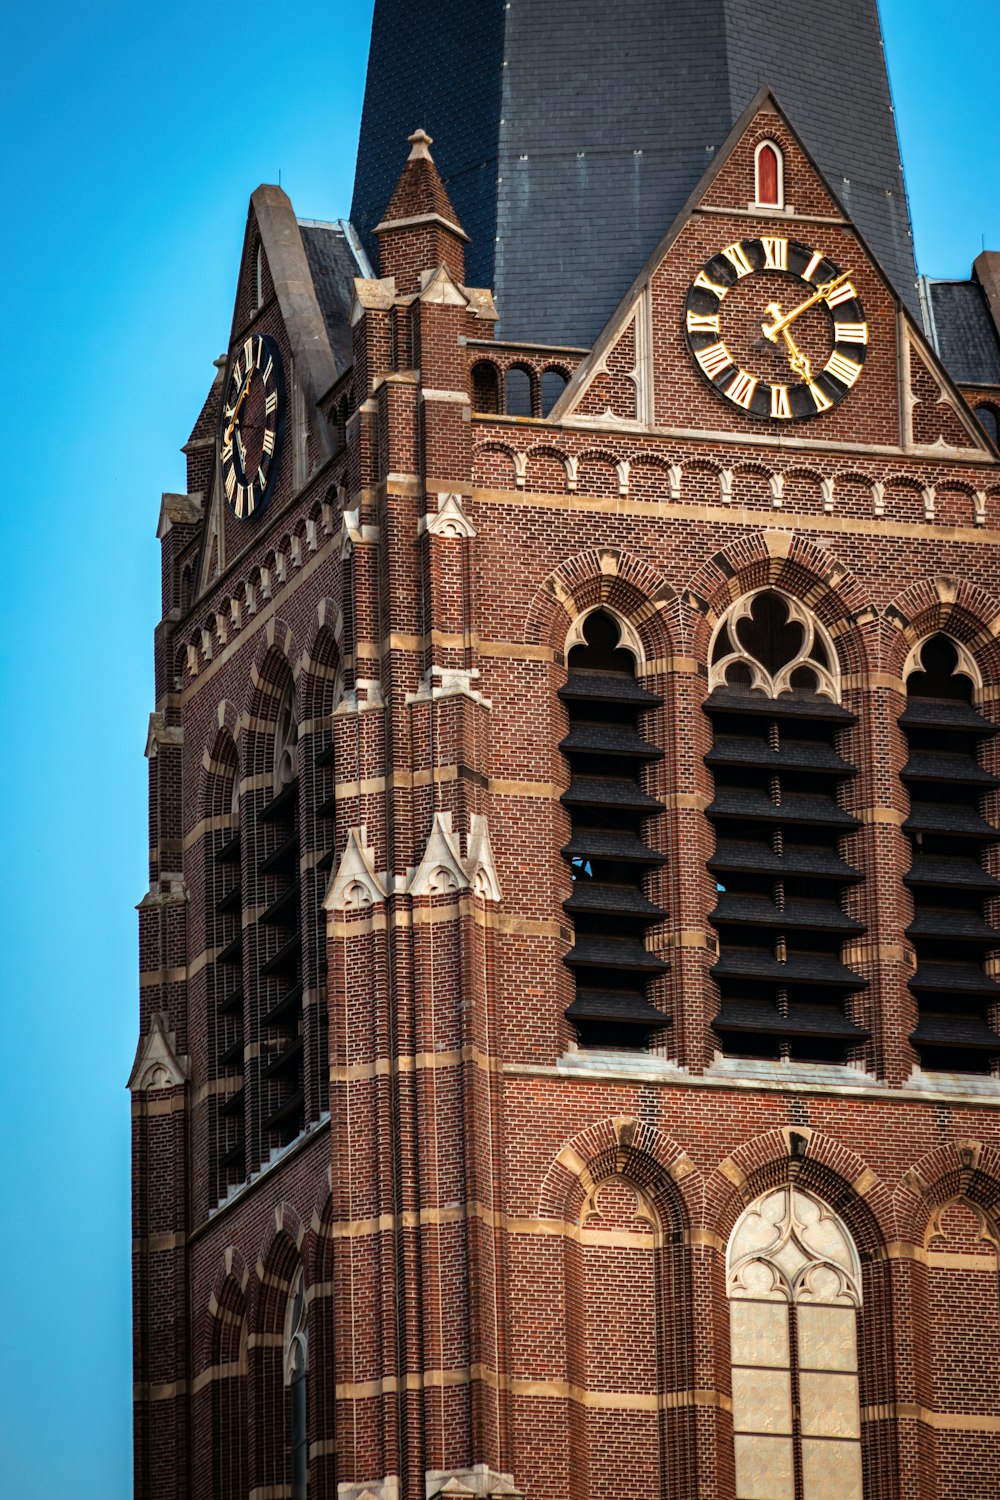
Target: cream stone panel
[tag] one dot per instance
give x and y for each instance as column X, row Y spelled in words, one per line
column 829, row 1405
column 831, row 1469
column 759, row 1334
column 762, row 1401
column 764, row 1469
column 828, row 1337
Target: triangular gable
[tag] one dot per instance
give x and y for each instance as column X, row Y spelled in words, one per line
column 643, row 371
column 276, row 296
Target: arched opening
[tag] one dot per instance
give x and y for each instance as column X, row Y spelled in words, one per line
column 518, row 384
column 607, row 852
column 553, row 384
column 296, row 1385
column 259, row 274
column 794, row 1285
column 958, row 1001
column 224, row 936
column 769, row 176
column 778, row 866
column 486, row 388
column 988, row 417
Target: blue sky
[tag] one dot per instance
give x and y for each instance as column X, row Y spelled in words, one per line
column 132, row 139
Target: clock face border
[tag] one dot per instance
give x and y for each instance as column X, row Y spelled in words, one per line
column 268, row 363
column 796, row 400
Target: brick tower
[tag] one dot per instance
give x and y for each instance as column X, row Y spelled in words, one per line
column 569, row 1039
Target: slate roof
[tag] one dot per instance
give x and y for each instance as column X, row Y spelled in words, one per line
column 570, row 133
column 963, row 332
column 334, row 265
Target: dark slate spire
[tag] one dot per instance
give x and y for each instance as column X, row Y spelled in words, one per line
column 570, row 132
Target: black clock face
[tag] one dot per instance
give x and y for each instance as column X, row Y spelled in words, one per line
column 777, row 328
column 253, row 424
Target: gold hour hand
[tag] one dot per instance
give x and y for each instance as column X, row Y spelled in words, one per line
column 796, row 358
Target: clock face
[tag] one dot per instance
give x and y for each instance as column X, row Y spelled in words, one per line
column 777, row 328
column 253, row 424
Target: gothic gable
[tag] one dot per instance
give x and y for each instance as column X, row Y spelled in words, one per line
column 728, row 330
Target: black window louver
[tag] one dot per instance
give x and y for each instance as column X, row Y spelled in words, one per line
column 784, row 988
column 949, row 836
column 281, row 988
column 607, row 852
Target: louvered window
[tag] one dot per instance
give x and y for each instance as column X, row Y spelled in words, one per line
column 608, row 854
column 950, row 885
column 282, row 1073
column 228, row 891
column 780, row 874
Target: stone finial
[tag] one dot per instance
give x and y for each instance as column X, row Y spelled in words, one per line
column 421, row 143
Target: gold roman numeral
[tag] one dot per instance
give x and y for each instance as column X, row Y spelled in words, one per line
column 239, row 501
column 709, row 286
column 267, row 370
column 775, row 254
column 238, row 374
column 271, row 403
column 230, row 483
column 845, row 292
column 703, row 323
column 843, row 369
column 250, row 496
column 817, row 260
column 820, row 398
column 268, row 440
column 851, row 333
column 738, row 259
column 741, row 389
column 714, row 359
column 780, row 406
column 261, row 479
column 248, row 352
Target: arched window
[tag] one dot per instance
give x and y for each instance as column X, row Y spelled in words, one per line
column 518, row 390
column 259, row 274
column 607, row 853
column 553, row 385
column 296, row 1384
column 279, row 942
column 225, row 903
column 989, row 420
column 486, row 387
column 769, row 175
column 778, row 867
column 947, row 878
column 286, row 742
column 794, row 1287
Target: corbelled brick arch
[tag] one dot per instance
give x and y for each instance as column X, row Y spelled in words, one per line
column 280, row 1259
column 607, row 576
column 948, row 603
column 793, row 563
column 616, row 1190
column 843, row 1181
column 221, row 1394
column 949, row 1210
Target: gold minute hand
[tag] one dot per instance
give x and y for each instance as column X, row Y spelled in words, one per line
column 771, row 331
column 236, row 409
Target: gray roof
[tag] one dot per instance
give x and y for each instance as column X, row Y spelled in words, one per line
column 570, row 133
column 963, row 332
column 334, row 263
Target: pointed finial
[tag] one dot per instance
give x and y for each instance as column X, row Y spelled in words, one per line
column 421, row 143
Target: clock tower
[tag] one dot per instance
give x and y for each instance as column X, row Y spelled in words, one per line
column 569, row 1035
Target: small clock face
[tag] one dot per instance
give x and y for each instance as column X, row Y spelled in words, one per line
column 253, row 423
column 777, row 328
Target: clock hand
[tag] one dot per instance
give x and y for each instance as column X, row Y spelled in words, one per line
column 771, row 332
column 236, row 409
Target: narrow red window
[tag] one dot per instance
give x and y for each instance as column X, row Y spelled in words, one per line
column 768, row 175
